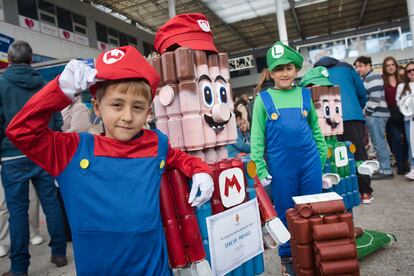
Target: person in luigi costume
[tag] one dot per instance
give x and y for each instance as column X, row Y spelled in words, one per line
column 286, row 142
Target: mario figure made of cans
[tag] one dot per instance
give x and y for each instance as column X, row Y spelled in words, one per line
column 194, row 107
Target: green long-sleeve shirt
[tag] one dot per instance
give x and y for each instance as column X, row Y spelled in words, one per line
column 285, row 99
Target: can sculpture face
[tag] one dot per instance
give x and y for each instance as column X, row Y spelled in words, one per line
column 194, row 105
column 328, row 107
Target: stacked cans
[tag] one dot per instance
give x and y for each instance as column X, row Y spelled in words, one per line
column 322, row 240
column 348, row 185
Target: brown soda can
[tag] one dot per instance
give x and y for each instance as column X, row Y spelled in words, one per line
column 348, row 219
column 338, row 252
column 306, row 272
column 305, row 256
column 318, row 245
column 332, row 231
column 184, row 61
column 168, row 68
column 345, row 266
column 156, row 63
column 305, row 210
column 302, row 231
column 330, row 219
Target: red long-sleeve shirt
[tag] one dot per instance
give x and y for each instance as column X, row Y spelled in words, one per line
column 53, row 150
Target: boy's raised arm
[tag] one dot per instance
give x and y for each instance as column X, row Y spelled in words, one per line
column 187, row 164
column 30, row 133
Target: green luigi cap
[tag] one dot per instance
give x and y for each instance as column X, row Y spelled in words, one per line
column 316, row 76
column 280, row 54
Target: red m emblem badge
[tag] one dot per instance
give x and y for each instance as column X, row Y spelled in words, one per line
column 231, row 183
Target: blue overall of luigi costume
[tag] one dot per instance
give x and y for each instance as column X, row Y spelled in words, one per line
column 287, row 143
column 112, row 229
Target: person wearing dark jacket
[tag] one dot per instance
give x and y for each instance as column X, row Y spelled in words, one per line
column 17, row 85
column 354, row 98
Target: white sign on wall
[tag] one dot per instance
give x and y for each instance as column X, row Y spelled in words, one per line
column 82, row 39
column 49, row 29
column 29, row 23
column 240, row 63
column 235, row 236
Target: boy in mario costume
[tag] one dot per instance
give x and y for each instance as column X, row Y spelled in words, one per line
column 286, row 141
column 110, row 183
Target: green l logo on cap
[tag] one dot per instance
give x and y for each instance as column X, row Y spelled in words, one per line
column 278, row 51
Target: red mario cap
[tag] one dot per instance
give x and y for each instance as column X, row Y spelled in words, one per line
column 125, row 63
column 191, row 30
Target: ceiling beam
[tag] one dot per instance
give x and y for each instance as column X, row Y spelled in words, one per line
column 361, row 14
column 229, row 27
column 292, row 8
column 120, row 11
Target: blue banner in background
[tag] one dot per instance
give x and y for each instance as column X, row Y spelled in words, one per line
column 5, row 42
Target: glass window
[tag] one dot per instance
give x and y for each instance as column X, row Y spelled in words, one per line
column 27, row 8
column 80, row 29
column 47, row 18
column 113, row 41
column 148, row 48
column 64, row 19
column 47, row 7
column 132, row 40
column 123, row 39
column 79, row 19
column 101, row 33
column 261, row 64
column 112, row 32
column 239, row 73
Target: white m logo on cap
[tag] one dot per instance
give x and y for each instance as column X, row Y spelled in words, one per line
column 204, row 25
column 113, row 56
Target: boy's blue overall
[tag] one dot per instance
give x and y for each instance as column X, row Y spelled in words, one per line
column 291, row 155
column 113, row 210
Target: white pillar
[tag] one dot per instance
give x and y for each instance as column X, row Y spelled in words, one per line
column 171, row 8
column 410, row 9
column 281, row 22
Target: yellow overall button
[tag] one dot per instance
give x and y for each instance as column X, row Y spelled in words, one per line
column 274, row 116
column 84, row 163
column 305, row 113
column 162, row 164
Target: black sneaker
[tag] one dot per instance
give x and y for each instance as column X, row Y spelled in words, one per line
column 381, row 176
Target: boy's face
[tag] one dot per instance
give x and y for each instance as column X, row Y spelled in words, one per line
column 123, row 114
column 283, row 76
column 362, row 69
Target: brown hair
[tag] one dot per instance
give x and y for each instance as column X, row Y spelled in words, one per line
column 406, row 81
column 135, row 86
column 385, row 75
column 264, row 76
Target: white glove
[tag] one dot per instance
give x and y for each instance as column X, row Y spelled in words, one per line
column 266, row 181
column 406, row 105
column 204, row 183
column 76, row 78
